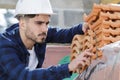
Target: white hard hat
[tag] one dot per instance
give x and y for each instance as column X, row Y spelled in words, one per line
column 33, row 7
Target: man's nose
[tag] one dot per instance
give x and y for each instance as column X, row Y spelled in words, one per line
column 45, row 28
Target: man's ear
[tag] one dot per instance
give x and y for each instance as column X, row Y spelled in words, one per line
column 22, row 24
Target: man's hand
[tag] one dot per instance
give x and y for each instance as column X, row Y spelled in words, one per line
column 85, row 27
column 81, row 60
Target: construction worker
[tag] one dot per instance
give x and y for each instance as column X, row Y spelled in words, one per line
column 23, row 45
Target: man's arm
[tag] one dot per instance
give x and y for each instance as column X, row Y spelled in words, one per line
column 16, row 70
column 63, row 35
column 13, row 68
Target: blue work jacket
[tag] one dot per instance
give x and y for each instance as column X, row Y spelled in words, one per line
column 14, row 55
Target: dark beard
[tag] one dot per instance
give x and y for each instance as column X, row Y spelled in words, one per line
column 43, row 39
column 42, row 34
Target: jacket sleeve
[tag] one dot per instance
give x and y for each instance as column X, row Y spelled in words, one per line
column 14, row 69
column 56, row 35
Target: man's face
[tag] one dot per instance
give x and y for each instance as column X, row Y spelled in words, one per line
column 36, row 28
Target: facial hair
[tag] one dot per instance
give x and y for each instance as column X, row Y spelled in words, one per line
column 43, row 34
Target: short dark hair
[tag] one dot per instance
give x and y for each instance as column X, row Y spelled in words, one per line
column 25, row 15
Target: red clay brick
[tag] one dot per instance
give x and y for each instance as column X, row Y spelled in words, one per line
column 109, row 15
column 110, row 7
column 104, row 24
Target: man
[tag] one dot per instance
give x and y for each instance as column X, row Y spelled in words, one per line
column 22, row 46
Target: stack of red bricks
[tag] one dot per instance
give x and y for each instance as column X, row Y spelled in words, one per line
column 104, row 28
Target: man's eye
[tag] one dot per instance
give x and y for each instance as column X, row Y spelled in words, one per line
column 40, row 23
column 47, row 23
